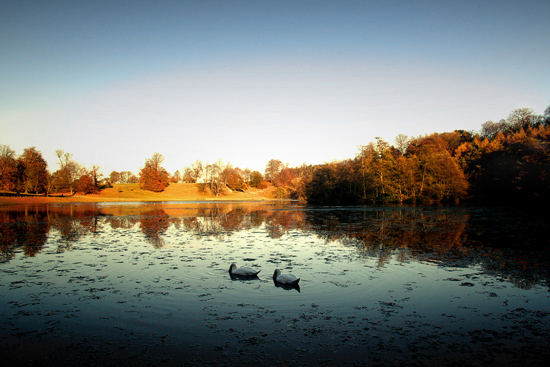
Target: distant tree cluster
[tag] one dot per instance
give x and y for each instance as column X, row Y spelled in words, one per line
column 24, row 174
column 219, row 177
column 382, row 173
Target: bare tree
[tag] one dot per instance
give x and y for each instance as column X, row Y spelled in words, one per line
column 69, row 172
column 521, row 118
column 176, row 177
column 272, row 169
column 197, row 169
column 214, row 173
column 95, row 175
column 188, row 175
column 401, row 143
column 114, row 177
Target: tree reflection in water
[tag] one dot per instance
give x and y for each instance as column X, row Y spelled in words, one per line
column 154, row 224
column 460, row 237
column 27, row 228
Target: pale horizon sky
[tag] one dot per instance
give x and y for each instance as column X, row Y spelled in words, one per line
column 112, row 82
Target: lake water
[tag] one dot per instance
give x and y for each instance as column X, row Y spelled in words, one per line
column 148, row 284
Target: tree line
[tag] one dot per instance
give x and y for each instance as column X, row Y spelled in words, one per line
column 29, row 173
column 217, row 178
column 508, row 160
column 505, row 161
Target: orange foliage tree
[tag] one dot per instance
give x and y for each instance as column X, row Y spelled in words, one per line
column 8, row 168
column 86, row 184
column 35, row 177
column 153, row 176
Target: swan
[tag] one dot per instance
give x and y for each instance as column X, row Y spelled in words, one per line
column 285, row 279
column 244, row 272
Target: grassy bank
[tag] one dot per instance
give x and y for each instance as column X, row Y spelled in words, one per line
column 132, row 192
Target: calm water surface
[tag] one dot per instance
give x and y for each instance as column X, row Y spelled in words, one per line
column 148, row 284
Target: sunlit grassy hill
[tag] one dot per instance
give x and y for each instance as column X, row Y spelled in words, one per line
column 132, row 192
column 178, row 191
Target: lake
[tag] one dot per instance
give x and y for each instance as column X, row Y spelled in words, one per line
column 148, row 284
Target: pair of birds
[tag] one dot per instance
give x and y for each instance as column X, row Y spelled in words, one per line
column 278, row 278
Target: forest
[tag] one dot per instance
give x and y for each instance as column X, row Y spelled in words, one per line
column 504, row 162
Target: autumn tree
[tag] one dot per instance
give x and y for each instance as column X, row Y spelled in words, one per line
column 514, row 167
column 193, row 173
column 545, row 119
column 233, row 178
column 404, row 184
column 441, row 176
column 86, row 184
column 333, row 184
column 246, row 174
column 114, row 177
column 490, row 129
column 214, row 178
column 128, row 177
column 255, row 178
column 8, row 168
column 65, row 179
column 377, row 168
column 176, row 177
column 153, row 176
column 304, row 174
column 96, row 176
column 401, row 143
column 521, row 118
column 187, row 176
column 320, row 189
column 35, row 172
column 272, row 169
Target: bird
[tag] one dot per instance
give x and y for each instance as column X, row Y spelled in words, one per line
column 244, row 272
column 285, row 279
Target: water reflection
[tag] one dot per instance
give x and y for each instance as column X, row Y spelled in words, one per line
column 509, row 244
column 149, row 284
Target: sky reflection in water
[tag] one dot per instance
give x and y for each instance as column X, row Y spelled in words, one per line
column 150, row 284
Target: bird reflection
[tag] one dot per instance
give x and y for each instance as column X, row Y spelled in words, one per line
column 287, row 286
column 286, row 281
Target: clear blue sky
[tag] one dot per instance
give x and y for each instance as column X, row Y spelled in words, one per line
column 246, row 81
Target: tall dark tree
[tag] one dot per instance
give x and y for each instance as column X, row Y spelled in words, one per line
column 96, row 176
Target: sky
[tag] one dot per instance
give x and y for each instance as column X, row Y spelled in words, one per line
column 113, row 82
